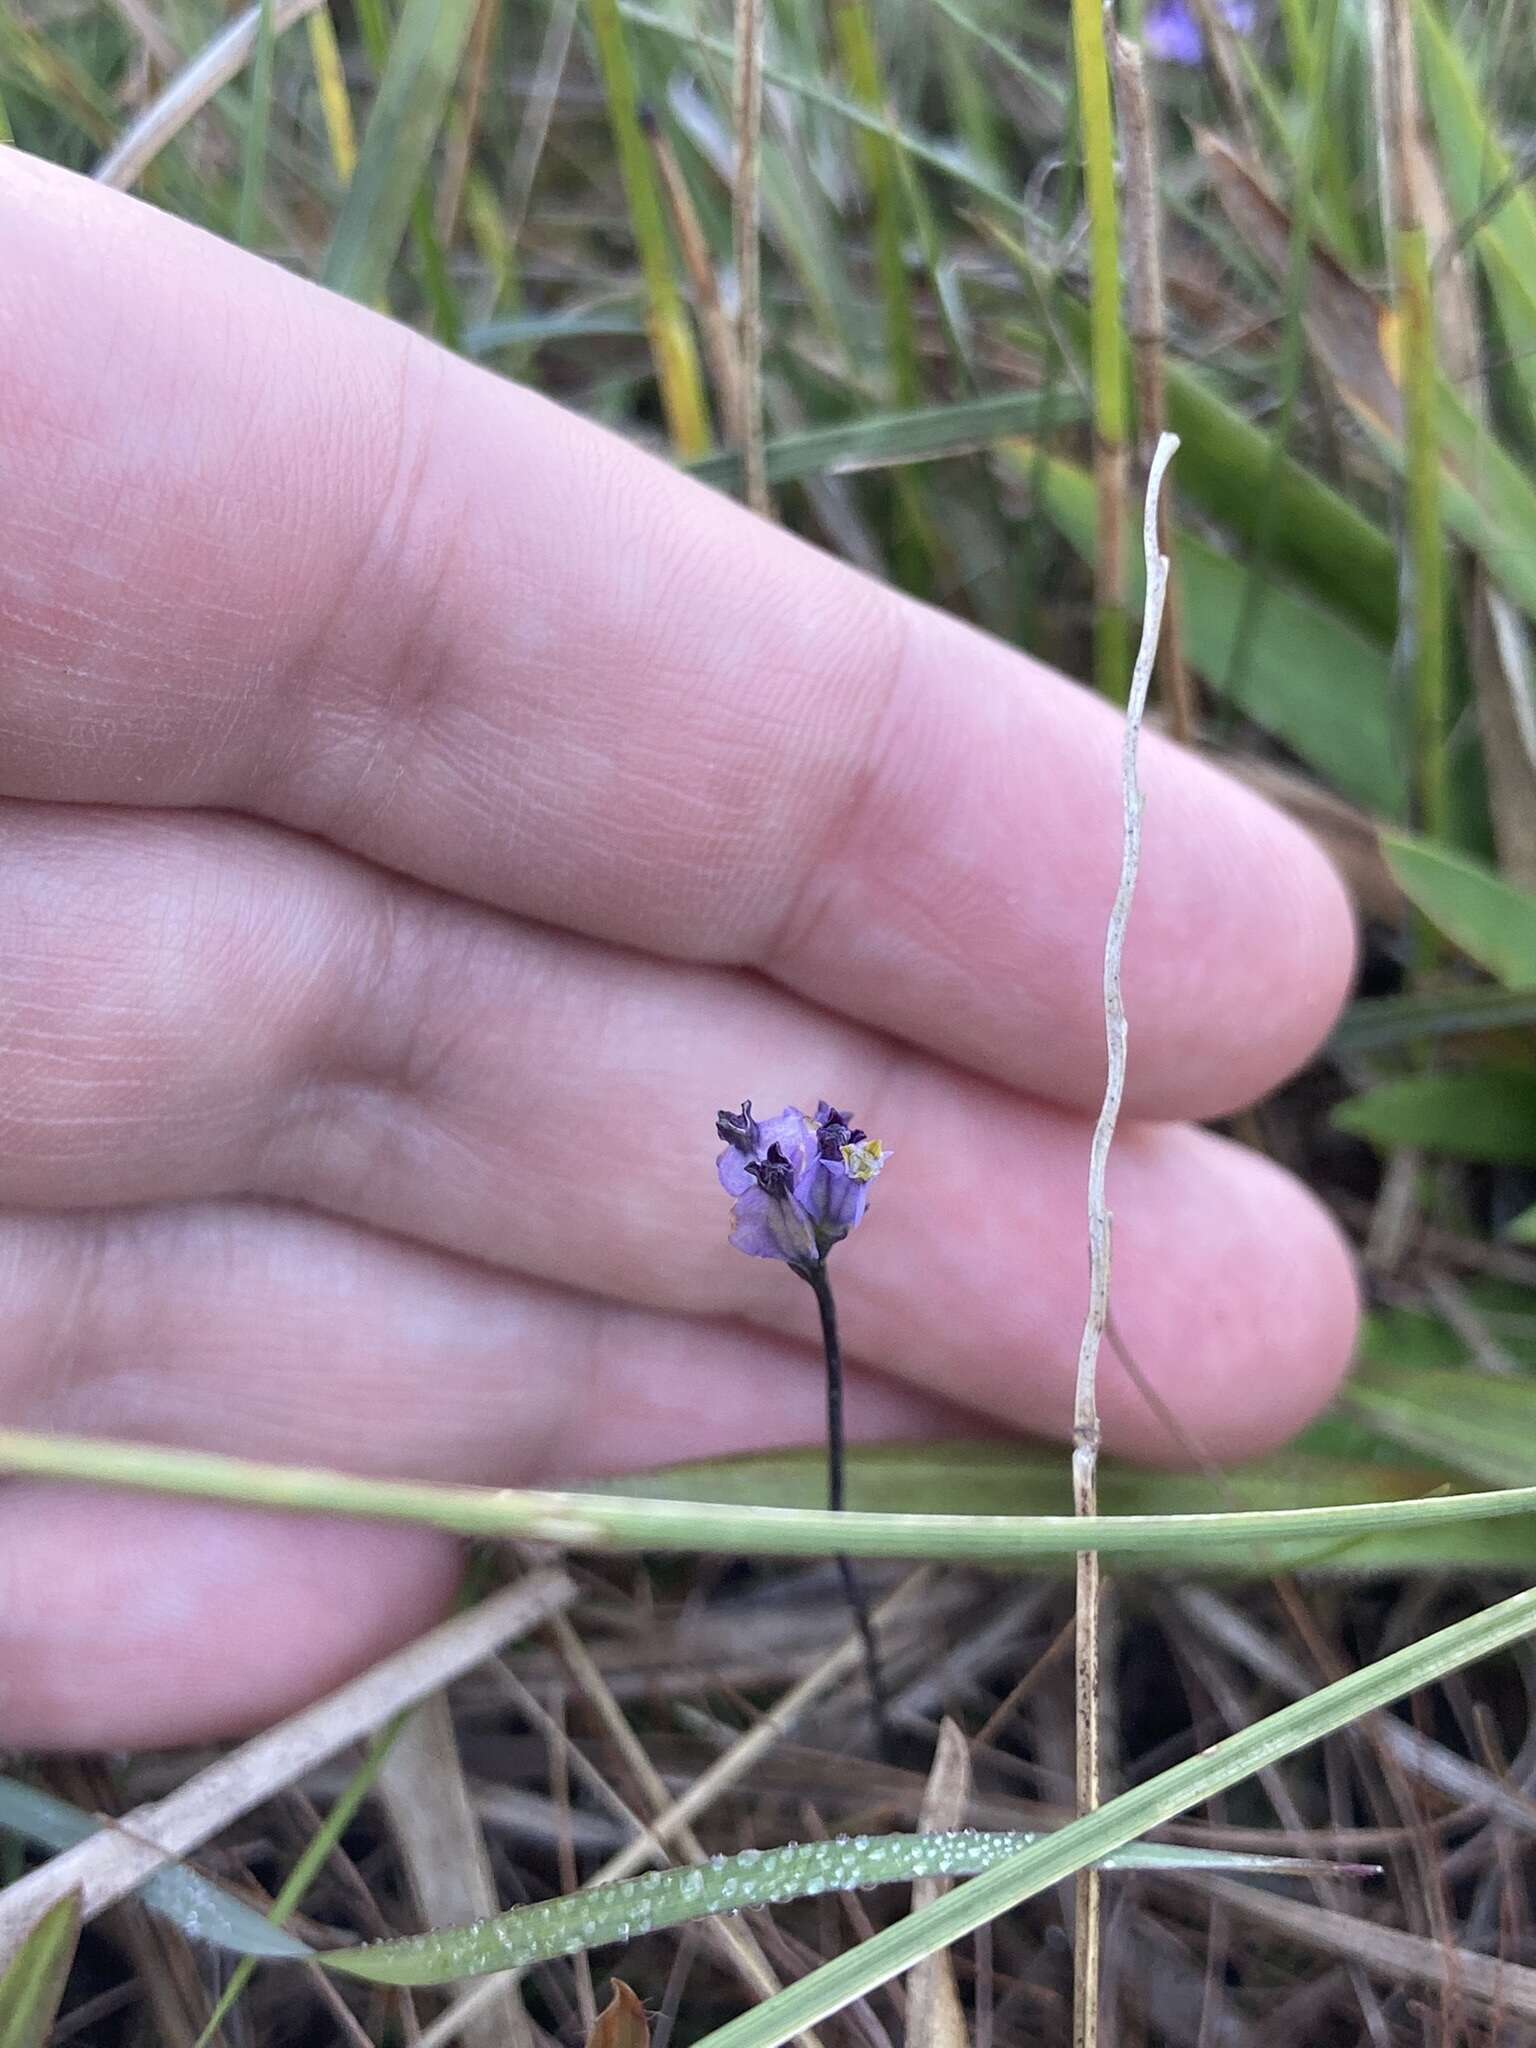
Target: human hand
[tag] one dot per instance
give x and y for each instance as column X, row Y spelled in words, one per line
column 422, row 813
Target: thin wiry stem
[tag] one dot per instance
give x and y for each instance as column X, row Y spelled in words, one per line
column 1085, row 1422
column 821, row 1287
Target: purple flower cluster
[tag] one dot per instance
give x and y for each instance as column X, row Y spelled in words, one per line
column 800, row 1183
column 1172, row 34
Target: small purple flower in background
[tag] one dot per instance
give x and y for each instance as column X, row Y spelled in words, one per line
column 1171, row 30
column 801, row 1183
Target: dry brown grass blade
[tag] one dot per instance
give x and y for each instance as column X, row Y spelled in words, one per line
column 935, row 2016
column 1342, row 319
column 721, row 353
column 713, row 1783
column 622, row 2022
column 1386, row 1952
column 114, row 1862
column 460, row 134
column 739, row 1947
column 443, row 1850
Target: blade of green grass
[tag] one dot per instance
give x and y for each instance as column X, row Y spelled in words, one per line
column 1311, row 678
column 1226, row 464
column 1484, row 1425
column 589, row 1521
column 950, row 163
column 880, row 440
column 1389, row 1023
column 397, row 145
column 1489, row 499
column 34, row 1983
column 1487, row 1116
column 1491, row 921
column 1290, row 368
column 253, row 167
column 338, row 1819
column 432, row 268
column 858, row 1971
column 1025, row 1479
column 964, row 1477
column 631, row 1907
column 1478, row 171
column 854, row 35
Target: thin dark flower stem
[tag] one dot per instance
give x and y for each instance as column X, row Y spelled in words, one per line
column 831, row 1343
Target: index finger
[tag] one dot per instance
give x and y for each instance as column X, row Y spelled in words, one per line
column 262, row 550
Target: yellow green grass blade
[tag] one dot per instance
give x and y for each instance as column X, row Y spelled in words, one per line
column 1034, row 1479
column 31, row 1988
column 593, row 1521
column 673, row 352
column 1107, row 349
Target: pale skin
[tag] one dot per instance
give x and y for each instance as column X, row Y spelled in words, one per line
column 422, row 812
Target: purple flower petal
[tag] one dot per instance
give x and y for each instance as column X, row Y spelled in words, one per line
column 773, row 1227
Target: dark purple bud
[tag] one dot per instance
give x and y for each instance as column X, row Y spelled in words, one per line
column 739, row 1131
column 774, row 1174
column 833, row 1131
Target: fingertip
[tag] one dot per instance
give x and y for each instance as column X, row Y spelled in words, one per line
column 1239, row 1302
column 1246, row 950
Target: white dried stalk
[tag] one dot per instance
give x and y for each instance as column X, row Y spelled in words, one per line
column 1085, row 1421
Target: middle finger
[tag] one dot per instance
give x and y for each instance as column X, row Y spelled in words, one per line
column 200, row 1006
